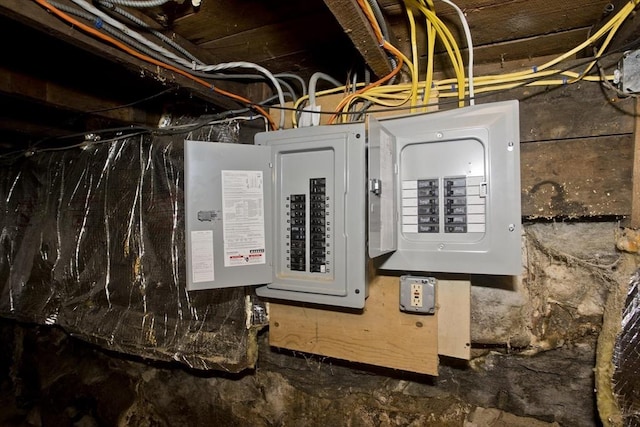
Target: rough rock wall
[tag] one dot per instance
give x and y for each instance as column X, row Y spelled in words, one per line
column 534, row 355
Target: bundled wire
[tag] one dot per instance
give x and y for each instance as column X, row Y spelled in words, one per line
column 462, row 87
column 357, row 97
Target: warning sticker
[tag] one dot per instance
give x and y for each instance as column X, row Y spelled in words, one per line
column 243, row 218
column 202, row 256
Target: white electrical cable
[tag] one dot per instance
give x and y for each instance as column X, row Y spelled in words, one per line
column 140, row 3
column 311, row 112
column 303, row 84
column 131, row 33
column 313, row 81
column 467, row 32
column 250, row 65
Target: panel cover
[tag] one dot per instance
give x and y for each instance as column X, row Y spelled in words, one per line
column 319, row 210
column 458, row 190
column 227, row 210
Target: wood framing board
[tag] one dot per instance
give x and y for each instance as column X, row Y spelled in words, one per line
column 453, row 302
column 381, row 335
column 635, row 194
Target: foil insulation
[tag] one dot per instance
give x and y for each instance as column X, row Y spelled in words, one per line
column 626, row 357
column 93, row 241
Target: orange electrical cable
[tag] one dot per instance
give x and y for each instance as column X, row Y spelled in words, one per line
column 151, row 60
column 385, row 45
column 386, row 78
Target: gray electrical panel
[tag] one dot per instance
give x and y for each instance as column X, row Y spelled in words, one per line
column 458, row 190
column 319, row 181
column 303, row 210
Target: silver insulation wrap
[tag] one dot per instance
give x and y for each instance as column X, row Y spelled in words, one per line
column 93, row 241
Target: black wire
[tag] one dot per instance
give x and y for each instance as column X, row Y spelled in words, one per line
column 131, row 104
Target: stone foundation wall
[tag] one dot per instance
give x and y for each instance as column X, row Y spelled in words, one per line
column 534, row 344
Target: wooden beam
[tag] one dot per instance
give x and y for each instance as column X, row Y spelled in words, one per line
column 33, row 15
column 356, row 25
column 49, row 93
column 635, row 195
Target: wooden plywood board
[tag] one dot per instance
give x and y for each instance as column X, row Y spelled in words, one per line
column 454, row 318
column 381, row 335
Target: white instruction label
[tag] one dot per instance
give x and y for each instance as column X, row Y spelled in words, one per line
column 202, row 256
column 243, row 218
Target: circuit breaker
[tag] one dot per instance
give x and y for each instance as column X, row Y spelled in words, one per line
column 456, row 190
column 286, row 212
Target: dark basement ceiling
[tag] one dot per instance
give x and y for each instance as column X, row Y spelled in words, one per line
column 58, row 80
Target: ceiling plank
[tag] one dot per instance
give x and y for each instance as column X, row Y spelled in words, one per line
column 356, row 25
column 216, row 20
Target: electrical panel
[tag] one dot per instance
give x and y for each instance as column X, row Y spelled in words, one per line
column 286, row 212
column 319, row 181
column 303, row 210
column 458, row 190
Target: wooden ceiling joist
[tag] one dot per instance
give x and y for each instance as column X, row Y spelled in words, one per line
column 30, row 13
column 358, row 28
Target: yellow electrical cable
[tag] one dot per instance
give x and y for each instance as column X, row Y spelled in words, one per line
column 623, row 14
column 431, row 45
column 449, row 43
column 398, row 94
column 386, row 78
column 414, row 55
column 402, row 59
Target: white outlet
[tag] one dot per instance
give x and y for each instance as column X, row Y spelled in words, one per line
column 416, row 295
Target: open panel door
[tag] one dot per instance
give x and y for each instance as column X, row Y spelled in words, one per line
column 382, row 196
column 227, row 198
column 458, row 190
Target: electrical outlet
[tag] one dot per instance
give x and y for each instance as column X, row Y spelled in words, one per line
column 417, row 294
